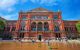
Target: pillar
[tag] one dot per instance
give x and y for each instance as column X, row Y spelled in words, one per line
column 17, row 26
column 10, row 28
column 51, row 26
column 63, row 34
column 51, row 23
column 43, row 26
column 28, row 24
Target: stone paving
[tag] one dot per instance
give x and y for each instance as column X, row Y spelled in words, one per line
column 52, row 45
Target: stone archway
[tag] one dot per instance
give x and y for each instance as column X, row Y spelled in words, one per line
column 39, row 26
column 40, row 37
column 46, row 26
column 33, row 26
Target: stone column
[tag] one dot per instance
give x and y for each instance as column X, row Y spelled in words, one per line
column 17, row 26
column 36, row 26
column 29, row 21
column 51, row 25
column 10, row 28
column 63, row 34
column 43, row 26
column 51, row 22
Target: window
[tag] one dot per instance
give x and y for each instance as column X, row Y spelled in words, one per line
column 39, row 26
column 33, row 29
column 22, row 28
column 13, row 28
column 46, row 29
column 45, row 17
column 39, row 17
column 55, row 17
column 33, row 26
column 46, row 26
column 8, row 28
column 23, row 25
column 24, row 17
column 33, row 17
column 56, row 28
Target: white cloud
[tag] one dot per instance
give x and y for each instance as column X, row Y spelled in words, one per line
column 46, row 2
column 35, row 1
column 43, row 2
column 7, row 4
column 24, row 1
column 49, row 2
column 13, row 16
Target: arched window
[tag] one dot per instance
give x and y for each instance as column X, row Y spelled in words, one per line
column 39, row 17
column 13, row 28
column 8, row 28
column 23, row 24
column 55, row 17
column 39, row 26
column 46, row 26
column 56, row 28
column 45, row 17
column 24, row 17
column 33, row 17
column 33, row 26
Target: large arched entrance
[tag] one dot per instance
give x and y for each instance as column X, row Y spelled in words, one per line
column 57, row 31
column 40, row 37
column 57, row 35
column 39, row 26
column 46, row 26
column 21, row 35
column 33, row 26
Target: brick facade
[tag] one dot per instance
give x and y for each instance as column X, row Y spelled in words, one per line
column 41, row 23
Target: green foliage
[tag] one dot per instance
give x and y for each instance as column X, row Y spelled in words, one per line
column 2, row 24
column 78, row 26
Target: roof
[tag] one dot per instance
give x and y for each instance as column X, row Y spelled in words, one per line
column 11, row 22
column 39, row 10
column 2, row 18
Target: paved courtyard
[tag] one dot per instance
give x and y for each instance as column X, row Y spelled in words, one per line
column 55, row 45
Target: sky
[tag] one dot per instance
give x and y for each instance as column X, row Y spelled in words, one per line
column 9, row 9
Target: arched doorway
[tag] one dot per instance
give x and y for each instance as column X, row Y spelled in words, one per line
column 39, row 26
column 33, row 26
column 57, row 35
column 21, row 35
column 22, row 26
column 46, row 26
column 40, row 37
column 57, row 31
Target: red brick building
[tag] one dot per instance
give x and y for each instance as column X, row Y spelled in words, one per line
column 41, row 23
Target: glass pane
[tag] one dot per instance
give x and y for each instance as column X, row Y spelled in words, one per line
column 45, row 29
column 24, row 18
column 33, row 29
column 45, row 17
column 33, row 17
column 56, row 28
column 39, row 17
column 39, row 29
column 55, row 17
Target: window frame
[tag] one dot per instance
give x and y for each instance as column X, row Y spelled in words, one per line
column 24, row 17
column 55, row 17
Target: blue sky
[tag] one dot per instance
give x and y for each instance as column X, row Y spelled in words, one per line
column 9, row 9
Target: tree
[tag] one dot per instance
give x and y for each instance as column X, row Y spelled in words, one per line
column 2, row 25
column 78, row 27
